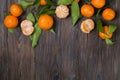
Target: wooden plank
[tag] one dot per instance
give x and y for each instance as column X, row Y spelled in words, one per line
column 67, row 55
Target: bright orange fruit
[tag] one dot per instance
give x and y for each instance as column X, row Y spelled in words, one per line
column 45, row 22
column 87, row 10
column 16, row 10
column 10, row 21
column 106, row 34
column 98, row 3
column 43, row 2
column 108, row 14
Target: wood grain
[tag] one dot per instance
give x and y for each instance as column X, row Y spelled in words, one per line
column 67, row 55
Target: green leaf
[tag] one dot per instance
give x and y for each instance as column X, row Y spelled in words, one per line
column 42, row 10
column 112, row 29
column 37, row 3
column 65, row 2
column 25, row 4
column 75, row 12
column 109, row 42
column 52, row 30
column 49, row 2
column 49, row 11
column 31, row 17
column 100, row 26
column 36, row 35
column 11, row 30
column 98, row 12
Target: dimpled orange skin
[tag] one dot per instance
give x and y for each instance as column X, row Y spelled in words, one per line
column 16, row 10
column 108, row 14
column 10, row 21
column 105, row 35
column 43, row 2
column 87, row 10
column 45, row 22
column 98, row 3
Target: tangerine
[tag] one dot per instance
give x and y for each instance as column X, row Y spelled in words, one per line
column 45, row 22
column 87, row 10
column 108, row 14
column 106, row 34
column 98, row 3
column 43, row 2
column 16, row 10
column 10, row 21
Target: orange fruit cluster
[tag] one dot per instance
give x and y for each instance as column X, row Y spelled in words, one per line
column 11, row 21
column 87, row 10
column 108, row 14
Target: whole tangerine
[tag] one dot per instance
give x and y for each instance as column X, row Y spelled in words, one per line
column 10, row 21
column 45, row 22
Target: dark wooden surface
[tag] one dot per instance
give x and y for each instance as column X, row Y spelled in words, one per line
column 68, row 55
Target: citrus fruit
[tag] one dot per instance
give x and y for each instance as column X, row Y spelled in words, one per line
column 45, row 22
column 87, row 10
column 27, row 27
column 108, row 14
column 43, row 2
column 106, row 34
column 87, row 25
column 16, row 10
column 62, row 11
column 98, row 3
column 10, row 21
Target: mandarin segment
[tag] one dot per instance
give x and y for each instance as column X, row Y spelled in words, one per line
column 106, row 34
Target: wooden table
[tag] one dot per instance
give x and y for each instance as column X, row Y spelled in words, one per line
column 67, row 55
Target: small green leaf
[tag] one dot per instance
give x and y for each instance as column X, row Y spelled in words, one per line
column 31, row 17
column 49, row 2
column 75, row 12
column 112, row 29
column 100, row 26
column 25, row 4
column 52, row 30
column 11, row 30
column 42, row 9
column 37, row 3
column 49, row 11
column 36, row 35
column 65, row 2
column 98, row 12
column 109, row 42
